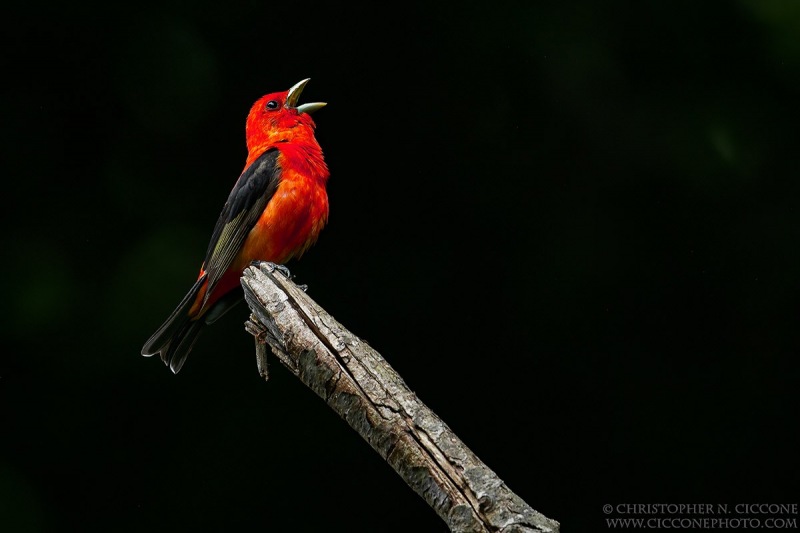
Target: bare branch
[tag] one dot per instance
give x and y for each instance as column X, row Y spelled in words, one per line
column 362, row 388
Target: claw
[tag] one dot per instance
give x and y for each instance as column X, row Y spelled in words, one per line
column 283, row 270
column 271, row 267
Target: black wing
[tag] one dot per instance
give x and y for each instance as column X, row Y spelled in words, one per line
column 247, row 201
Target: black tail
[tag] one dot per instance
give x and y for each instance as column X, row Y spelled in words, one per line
column 174, row 339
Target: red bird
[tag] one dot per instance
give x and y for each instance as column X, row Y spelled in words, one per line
column 274, row 213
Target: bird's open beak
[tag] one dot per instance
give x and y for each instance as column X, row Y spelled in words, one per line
column 294, row 96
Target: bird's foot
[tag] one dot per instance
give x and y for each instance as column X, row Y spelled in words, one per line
column 272, row 267
column 283, row 270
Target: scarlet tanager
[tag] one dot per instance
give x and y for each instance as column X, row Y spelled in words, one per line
column 274, row 213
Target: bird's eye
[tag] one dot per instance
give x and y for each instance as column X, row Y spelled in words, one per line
column 272, row 104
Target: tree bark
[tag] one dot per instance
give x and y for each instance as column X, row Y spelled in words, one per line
column 362, row 388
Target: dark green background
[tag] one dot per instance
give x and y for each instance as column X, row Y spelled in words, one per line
column 571, row 227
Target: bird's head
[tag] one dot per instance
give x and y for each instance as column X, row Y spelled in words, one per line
column 277, row 117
